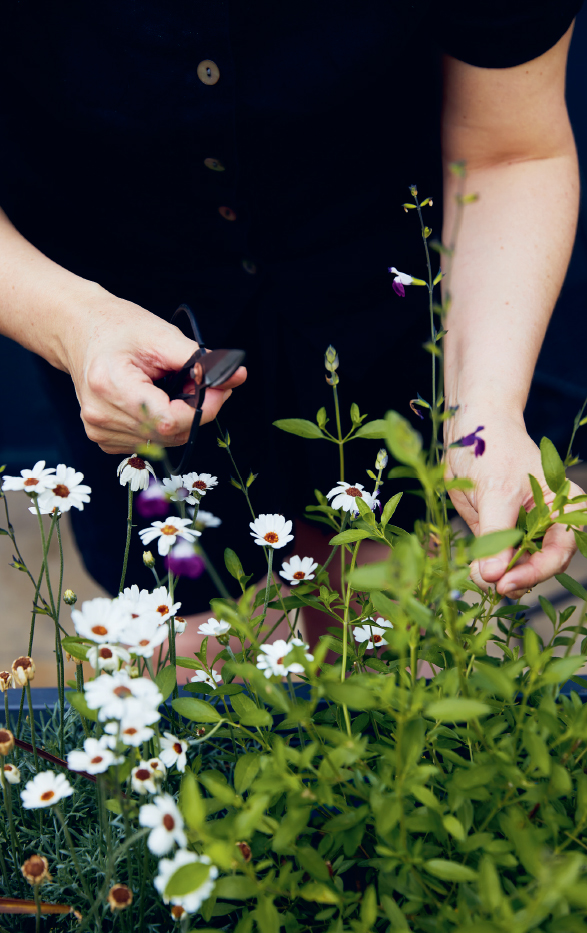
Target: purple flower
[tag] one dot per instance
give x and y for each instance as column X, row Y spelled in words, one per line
column 152, row 502
column 184, row 561
column 470, row 440
column 401, row 279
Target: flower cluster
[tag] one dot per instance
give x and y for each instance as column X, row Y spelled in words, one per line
column 54, row 488
column 275, row 660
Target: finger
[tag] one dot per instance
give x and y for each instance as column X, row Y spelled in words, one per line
column 216, row 397
column 496, row 512
column 557, row 550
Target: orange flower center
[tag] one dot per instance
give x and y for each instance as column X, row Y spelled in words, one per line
column 122, row 692
column 48, row 795
column 31, row 481
column 106, row 653
column 271, row 537
column 280, row 660
column 121, row 894
column 8, row 768
column 376, row 639
column 137, row 463
column 143, row 642
column 177, row 748
column 299, row 575
column 130, row 731
column 61, row 491
column 97, row 760
column 177, row 912
column 168, row 822
column 163, row 609
column 142, row 774
column 169, row 530
column 354, row 492
column 99, row 630
column 199, row 484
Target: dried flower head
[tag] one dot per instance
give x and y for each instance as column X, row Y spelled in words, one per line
column 6, row 742
column 36, row 869
column 23, row 670
column 70, row 657
column 245, row 850
column 69, row 598
column 119, row 897
column 5, row 681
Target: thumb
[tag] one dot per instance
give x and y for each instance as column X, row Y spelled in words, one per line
column 496, row 513
column 168, row 353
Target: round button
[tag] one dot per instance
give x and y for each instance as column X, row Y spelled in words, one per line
column 214, row 164
column 227, row 213
column 249, row 266
column 208, row 72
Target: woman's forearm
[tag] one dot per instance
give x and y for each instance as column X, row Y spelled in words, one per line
column 512, row 254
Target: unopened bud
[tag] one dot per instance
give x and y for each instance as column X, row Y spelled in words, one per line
column 223, row 639
column 5, row 681
column 381, row 460
column 245, row 850
column 36, row 869
column 23, row 670
column 148, row 559
column 6, row 742
column 119, row 897
column 132, row 671
column 70, row 657
column 69, row 598
column 414, row 191
column 331, row 359
column 12, row 774
column 201, row 731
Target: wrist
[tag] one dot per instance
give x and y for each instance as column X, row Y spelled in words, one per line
column 491, row 415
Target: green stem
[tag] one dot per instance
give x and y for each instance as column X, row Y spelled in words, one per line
column 214, row 575
column 128, row 536
column 339, row 433
column 236, row 469
column 6, row 713
column 38, row 905
column 3, row 867
column 345, row 634
column 269, row 578
column 32, row 724
column 16, row 850
column 59, row 651
column 71, row 848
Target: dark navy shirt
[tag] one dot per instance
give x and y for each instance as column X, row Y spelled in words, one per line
column 249, row 158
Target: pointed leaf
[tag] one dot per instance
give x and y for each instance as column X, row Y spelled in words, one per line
column 196, row 710
column 372, row 430
column 166, row 680
column 299, row 426
column 494, row 542
column 552, row 465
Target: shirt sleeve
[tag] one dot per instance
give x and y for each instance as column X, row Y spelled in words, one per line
column 501, row 33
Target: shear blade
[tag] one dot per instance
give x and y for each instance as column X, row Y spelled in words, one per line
column 220, row 365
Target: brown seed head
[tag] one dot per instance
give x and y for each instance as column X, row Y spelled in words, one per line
column 6, row 742
column 23, row 670
column 177, row 912
column 119, row 897
column 5, row 681
column 36, row 869
column 245, row 850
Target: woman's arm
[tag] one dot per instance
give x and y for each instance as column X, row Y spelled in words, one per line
column 112, row 349
column 512, row 128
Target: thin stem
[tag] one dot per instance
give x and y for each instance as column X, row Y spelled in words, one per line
column 38, row 906
column 6, row 713
column 32, row 723
column 339, row 433
column 128, row 536
column 6, row 790
column 345, row 635
column 59, row 651
column 576, row 425
column 269, row 578
column 214, row 575
column 71, row 847
column 236, row 469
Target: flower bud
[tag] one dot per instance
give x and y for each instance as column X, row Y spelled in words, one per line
column 331, row 359
column 5, row 681
column 119, row 897
column 201, row 731
column 23, row 670
column 36, row 869
column 245, row 850
column 132, row 671
column 381, row 460
column 6, row 742
column 223, row 639
column 177, row 912
column 414, row 191
column 70, row 657
column 148, row 559
column 69, row 598
column 12, row 774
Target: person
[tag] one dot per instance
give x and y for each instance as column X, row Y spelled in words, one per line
column 250, row 159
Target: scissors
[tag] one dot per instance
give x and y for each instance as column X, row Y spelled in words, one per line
column 204, row 369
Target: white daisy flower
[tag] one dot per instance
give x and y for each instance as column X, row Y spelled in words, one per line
column 100, row 619
column 175, row 490
column 129, row 733
column 94, row 758
column 344, row 496
column 107, row 657
column 143, row 779
column 214, row 628
column 66, row 491
column 117, row 696
column 173, row 751
column 143, row 635
column 12, row 774
column 274, row 661
column 36, row 480
column 165, row 822
column 191, row 902
column 160, row 601
column 168, row 532
column 372, row 632
column 202, row 677
column 198, row 484
column 135, row 470
column 271, row 531
column 46, row 789
column 206, row 520
column 158, row 768
column 298, row 569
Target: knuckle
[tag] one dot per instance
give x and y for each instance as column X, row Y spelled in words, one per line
column 93, row 415
column 98, row 378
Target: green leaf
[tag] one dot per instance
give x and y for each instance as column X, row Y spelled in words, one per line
column 347, row 537
column 196, row 710
column 494, row 542
column 187, row 879
column 233, row 564
column 404, row 443
column 552, row 465
column 372, row 430
column 572, row 586
column 166, row 680
column 235, row 888
column 394, row 914
column 355, row 413
column 581, row 541
column 320, row 893
column 572, row 517
column 559, row 670
column 75, row 647
column 190, row 801
column 548, row 609
column 299, row 426
column 352, row 695
column 457, row 709
column 312, row 863
column 191, row 663
column 449, row 871
column 249, row 713
column 454, row 827
column 78, row 701
column 390, row 507
column 365, row 513
column 113, row 804
column 245, row 771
